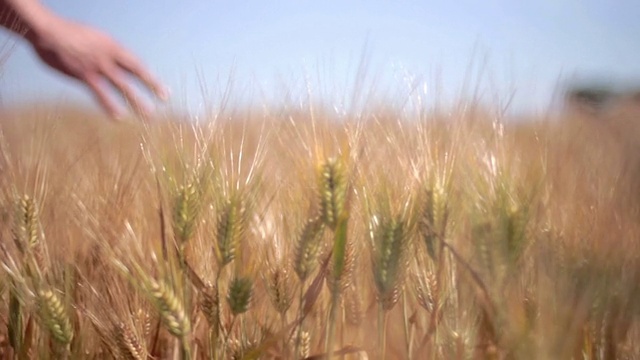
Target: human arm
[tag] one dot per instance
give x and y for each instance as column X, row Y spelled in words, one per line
column 22, row 16
column 81, row 52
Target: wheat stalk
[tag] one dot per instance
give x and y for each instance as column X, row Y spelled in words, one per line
column 333, row 187
column 389, row 244
column 15, row 325
column 340, row 282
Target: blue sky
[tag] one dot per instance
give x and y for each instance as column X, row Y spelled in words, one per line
column 271, row 47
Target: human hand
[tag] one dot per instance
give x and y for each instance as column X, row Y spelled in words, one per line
column 98, row 61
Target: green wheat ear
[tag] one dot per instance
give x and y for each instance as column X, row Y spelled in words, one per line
column 240, row 294
column 500, row 234
column 332, row 191
column 231, row 226
column 169, row 306
column 483, row 235
column 308, row 247
column 186, row 208
column 54, row 316
column 333, row 186
column 433, row 218
column 514, row 227
column 390, row 242
column 27, row 232
column 163, row 298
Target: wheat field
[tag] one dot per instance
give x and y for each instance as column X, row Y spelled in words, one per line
column 296, row 233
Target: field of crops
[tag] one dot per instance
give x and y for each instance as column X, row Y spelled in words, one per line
column 296, row 233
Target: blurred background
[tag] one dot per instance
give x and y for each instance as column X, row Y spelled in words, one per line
column 524, row 55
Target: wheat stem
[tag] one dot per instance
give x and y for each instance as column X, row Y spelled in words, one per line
column 339, row 254
column 382, row 330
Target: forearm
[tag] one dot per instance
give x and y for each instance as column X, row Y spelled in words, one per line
column 25, row 17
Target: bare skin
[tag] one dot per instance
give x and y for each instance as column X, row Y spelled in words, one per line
column 83, row 53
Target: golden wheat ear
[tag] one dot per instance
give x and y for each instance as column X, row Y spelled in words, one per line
column 279, row 288
column 128, row 343
column 209, row 304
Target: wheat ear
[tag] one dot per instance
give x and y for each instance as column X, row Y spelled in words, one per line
column 54, row 316
column 128, row 343
column 187, row 203
column 332, row 190
column 230, row 229
column 308, row 247
column 170, row 308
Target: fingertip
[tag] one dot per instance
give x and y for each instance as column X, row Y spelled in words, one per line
column 115, row 114
column 163, row 93
column 107, row 104
column 145, row 115
column 140, row 108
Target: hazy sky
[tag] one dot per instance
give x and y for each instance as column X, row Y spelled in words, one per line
column 273, row 46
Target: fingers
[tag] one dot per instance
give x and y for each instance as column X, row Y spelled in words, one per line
column 114, row 70
column 132, row 65
column 117, row 79
column 94, row 83
column 97, row 60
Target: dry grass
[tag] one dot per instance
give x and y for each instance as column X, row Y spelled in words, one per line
column 447, row 236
